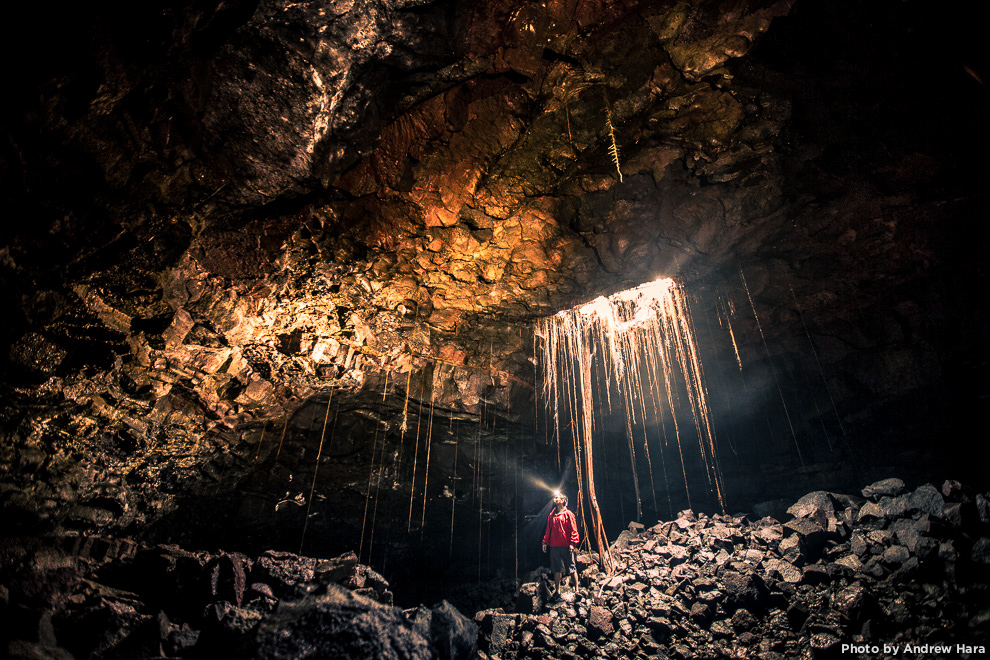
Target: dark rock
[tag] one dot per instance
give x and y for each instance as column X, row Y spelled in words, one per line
column 180, row 642
column 844, row 501
column 908, row 531
column 169, row 572
column 104, row 619
column 926, row 499
column 337, row 624
column 771, row 533
column 543, row 637
column 20, row 649
column 46, row 631
column 895, row 555
column 783, row 570
column 341, row 570
column 825, row 645
column 896, row 612
column 746, row 590
column 743, row 620
column 982, row 508
column 947, row 551
column 879, row 539
column 227, row 630
column 700, row 612
column 792, row 549
column 871, row 511
column 812, row 535
column 797, row 614
column 814, row 574
column 261, row 589
column 600, row 622
column 893, row 506
column 816, row 504
column 906, row 571
column 952, row 490
column 889, row 487
column 851, row 600
column 953, row 513
column 288, row 575
column 851, row 562
column 926, row 548
column 419, row 618
column 622, row 541
column 660, row 625
column 453, row 635
column 529, row 599
column 981, row 551
column 858, row 544
column 227, row 579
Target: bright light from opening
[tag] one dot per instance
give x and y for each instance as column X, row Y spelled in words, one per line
column 642, row 341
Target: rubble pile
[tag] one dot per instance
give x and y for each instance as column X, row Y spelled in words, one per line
column 84, row 597
column 845, row 575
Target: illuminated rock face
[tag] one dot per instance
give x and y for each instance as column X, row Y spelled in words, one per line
column 222, row 213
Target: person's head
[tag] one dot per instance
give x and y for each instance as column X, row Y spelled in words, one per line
column 560, row 500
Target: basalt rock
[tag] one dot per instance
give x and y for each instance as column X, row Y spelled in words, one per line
column 104, row 598
column 904, row 574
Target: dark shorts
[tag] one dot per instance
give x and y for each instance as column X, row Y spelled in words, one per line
column 562, row 560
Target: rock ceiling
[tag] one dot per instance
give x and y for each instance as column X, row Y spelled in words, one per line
column 228, row 208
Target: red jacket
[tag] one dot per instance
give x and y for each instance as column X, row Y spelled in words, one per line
column 561, row 529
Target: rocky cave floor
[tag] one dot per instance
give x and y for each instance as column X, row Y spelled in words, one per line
column 845, row 576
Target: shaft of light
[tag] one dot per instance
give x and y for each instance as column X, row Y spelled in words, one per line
column 646, row 328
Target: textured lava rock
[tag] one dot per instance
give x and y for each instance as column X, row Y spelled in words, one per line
column 315, row 612
column 698, row 603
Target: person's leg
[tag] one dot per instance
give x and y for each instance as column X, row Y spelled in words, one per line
column 558, row 564
column 571, row 570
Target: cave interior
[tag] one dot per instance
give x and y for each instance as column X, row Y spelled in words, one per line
column 274, row 273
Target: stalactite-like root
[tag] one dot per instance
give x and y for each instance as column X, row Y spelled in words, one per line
column 646, row 329
column 405, row 407
column 597, row 527
column 282, row 438
column 773, row 369
column 367, row 495
column 316, row 471
column 613, row 149
column 437, row 378
column 412, row 483
column 453, row 490
column 821, row 369
column 261, row 441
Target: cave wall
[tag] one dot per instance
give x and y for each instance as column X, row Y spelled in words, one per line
column 228, row 213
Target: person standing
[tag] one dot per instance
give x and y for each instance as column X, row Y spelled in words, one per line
column 561, row 538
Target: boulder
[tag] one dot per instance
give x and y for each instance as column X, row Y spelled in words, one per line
column 925, row 499
column 888, row 487
column 818, row 503
column 337, row 624
column 600, row 622
column 453, row 635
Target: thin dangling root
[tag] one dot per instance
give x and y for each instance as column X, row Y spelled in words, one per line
column 613, row 150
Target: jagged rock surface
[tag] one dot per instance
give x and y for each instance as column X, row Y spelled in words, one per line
column 223, row 210
column 86, row 597
column 896, row 568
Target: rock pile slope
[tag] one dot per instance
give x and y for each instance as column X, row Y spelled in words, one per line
column 845, row 576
